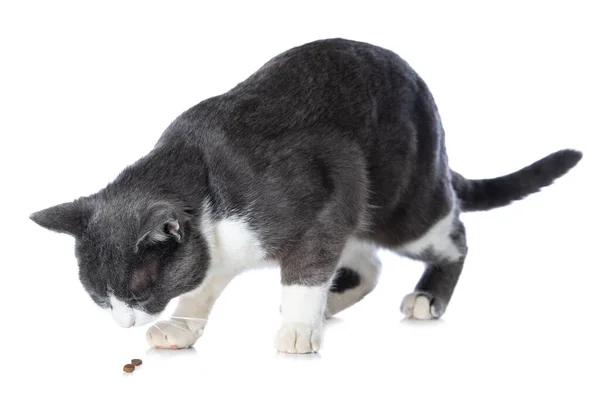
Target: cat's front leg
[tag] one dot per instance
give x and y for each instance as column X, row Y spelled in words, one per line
column 187, row 323
column 306, row 276
column 302, row 310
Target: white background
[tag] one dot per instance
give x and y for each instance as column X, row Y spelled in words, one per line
column 87, row 89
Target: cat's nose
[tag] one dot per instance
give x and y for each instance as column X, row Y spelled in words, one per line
column 122, row 313
column 124, row 320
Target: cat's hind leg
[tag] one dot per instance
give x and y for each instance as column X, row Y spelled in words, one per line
column 443, row 249
column 356, row 276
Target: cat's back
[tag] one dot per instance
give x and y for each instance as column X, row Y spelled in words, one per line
column 340, row 84
column 331, row 99
column 335, row 82
column 329, row 60
column 330, row 69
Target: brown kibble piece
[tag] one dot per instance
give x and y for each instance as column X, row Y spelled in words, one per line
column 137, row 362
column 128, row 368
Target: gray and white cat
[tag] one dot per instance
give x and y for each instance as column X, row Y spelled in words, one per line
column 328, row 152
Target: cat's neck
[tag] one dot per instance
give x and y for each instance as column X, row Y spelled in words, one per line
column 173, row 174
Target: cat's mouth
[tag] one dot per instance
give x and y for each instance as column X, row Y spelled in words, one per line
column 126, row 316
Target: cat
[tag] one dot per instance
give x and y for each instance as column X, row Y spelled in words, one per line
column 329, row 152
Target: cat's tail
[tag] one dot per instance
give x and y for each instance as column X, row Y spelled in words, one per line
column 485, row 194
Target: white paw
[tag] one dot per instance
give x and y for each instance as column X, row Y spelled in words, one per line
column 298, row 338
column 173, row 334
column 418, row 306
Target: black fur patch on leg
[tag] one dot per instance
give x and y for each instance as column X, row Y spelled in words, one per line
column 345, row 279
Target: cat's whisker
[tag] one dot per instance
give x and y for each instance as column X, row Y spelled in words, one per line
column 191, row 319
column 177, row 326
column 157, row 327
column 136, row 300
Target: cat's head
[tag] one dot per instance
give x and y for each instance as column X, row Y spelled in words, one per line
column 134, row 257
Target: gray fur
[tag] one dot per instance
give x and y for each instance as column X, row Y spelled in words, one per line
column 326, row 141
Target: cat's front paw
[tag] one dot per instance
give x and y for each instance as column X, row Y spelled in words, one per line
column 173, row 334
column 420, row 305
column 298, row 338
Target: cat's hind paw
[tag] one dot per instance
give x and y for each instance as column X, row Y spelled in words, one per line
column 420, row 305
column 172, row 334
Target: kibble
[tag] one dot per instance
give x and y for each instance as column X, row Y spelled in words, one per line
column 129, row 368
column 137, row 362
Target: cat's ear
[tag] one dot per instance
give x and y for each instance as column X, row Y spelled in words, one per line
column 71, row 218
column 161, row 224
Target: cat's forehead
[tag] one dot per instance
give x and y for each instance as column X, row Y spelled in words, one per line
column 103, row 250
column 113, row 228
column 110, row 236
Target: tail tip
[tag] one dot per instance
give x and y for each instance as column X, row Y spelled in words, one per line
column 570, row 157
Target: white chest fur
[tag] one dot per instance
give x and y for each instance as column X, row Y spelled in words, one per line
column 233, row 245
